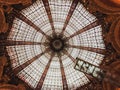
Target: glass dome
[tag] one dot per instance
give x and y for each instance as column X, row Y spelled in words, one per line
column 47, row 37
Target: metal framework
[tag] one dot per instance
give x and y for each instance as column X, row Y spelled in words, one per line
column 72, row 8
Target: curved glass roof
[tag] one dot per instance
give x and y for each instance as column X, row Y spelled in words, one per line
column 31, row 55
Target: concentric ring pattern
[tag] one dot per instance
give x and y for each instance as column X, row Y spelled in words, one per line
column 32, row 58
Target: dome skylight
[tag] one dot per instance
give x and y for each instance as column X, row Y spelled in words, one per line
column 48, row 36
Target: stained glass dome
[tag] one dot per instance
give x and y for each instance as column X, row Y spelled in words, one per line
column 47, row 38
